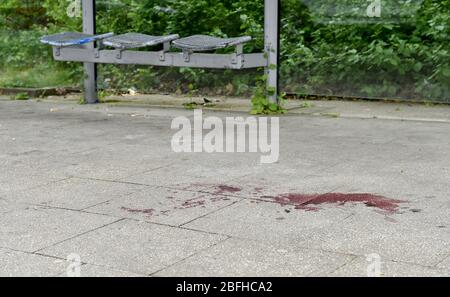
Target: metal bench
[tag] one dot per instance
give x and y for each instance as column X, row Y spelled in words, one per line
column 72, row 39
column 197, row 51
column 66, row 49
column 137, row 40
column 203, row 43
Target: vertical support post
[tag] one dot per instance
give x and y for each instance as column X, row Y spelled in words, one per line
column 271, row 41
column 90, row 69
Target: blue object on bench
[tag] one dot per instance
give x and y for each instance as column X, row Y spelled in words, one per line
column 72, row 38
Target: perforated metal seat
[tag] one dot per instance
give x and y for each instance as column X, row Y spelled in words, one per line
column 201, row 43
column 137, row 40
column 72, row 38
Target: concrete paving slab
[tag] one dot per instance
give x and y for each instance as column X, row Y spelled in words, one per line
column 24, row 172
column 369, row 132
column 438, row 217
column 137, row 247
column 267, row 222
column 32, row 228
column 165, row 206
column 421, row 222
column 106, row 130
column 241, row 258
column 89, row 270
column 333, row 148
column 372, row 142
column 116, row 162
column 19, row 264
column 445, row 264
column 361, row 267
column 21, row 183
column 74, row 193
column 191, row 170
column 8, row 206
column 392, row 239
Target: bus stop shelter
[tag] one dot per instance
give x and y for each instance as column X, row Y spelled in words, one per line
column 196, row 51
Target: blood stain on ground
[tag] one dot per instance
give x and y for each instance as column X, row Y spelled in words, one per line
column 198, row 201
column 311, row 201
column 223, row 189
column 148, row 212
column 191, row 203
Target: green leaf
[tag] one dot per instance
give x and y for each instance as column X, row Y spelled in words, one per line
column 418, row 66
column 446, row 71
column 273, row 107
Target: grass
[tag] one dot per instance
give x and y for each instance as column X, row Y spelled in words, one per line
column 21, row 96
column 39, row 76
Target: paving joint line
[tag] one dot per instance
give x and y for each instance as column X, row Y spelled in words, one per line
column 190, row 256
column 343, row 265
column 210, row 213
column 441, row 261
column 78, row 235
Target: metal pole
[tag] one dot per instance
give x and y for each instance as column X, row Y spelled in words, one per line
column 90, row 69
column 271, row 41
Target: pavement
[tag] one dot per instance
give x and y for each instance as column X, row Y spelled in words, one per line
column 99, row 185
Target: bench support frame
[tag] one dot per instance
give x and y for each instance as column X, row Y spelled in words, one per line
column 90, row 69
column 272, row 45
column 193, row 60
column 91, row 55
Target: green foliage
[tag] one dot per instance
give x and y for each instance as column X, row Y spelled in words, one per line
column 82, row 101
column 405, row 58
column 39, row 76
column 21, row 14
column 21, row 96
column 19, row 48
column 191, row 105
column 260, row 101
column 327, row 47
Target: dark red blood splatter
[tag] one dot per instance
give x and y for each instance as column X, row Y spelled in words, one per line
column 191, row 203
column 305, row 202
column 222, row 189
column 149, row 211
